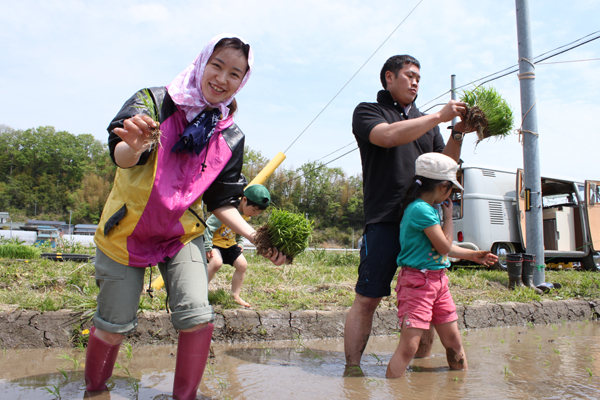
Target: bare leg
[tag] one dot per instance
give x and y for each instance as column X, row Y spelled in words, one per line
column 409, row 343
column 426, row 343
column 241, row 265
column 215, row 264
column 110, row 338
column 195, row 328
column 450, row 337
column 358, row 327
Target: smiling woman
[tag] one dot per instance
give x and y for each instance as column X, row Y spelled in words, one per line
column 152, row 215
column 224, row 71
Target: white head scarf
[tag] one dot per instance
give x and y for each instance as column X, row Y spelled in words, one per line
column 186, row 90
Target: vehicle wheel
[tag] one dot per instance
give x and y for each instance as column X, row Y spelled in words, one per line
column 591, row 262
column 501, row 250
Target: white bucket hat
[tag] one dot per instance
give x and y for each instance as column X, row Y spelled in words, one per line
column 437, row 166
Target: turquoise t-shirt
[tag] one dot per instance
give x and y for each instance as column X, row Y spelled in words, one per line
column 416, row 248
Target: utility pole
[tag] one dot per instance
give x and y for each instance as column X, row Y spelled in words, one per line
column 529, row 130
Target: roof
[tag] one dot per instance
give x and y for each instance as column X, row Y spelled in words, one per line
column 36, row 222
column 86, row 226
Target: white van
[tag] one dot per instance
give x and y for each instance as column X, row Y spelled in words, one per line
column 488, row 216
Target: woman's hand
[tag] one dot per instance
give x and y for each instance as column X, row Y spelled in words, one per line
column 135, row 135
column 275, row 256
column 136, row 131
column 484, row 257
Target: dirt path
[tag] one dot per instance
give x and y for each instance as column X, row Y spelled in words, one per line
column 32, row 329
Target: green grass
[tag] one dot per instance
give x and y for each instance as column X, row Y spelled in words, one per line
column 19, row 251
column 318, row 280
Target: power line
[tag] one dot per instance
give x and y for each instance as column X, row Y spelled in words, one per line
column 318, row 167
column 571, row 61
column 514, row 68
column 352, row 77
column 335, row 151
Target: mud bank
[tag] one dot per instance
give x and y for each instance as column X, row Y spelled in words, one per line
column 32, row 329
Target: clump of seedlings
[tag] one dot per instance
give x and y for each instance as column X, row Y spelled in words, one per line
column 152, row 110
column 286, row 231
column 19, row 251
column 488, row 113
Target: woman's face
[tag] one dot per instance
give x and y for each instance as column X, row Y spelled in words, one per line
column 223, row 74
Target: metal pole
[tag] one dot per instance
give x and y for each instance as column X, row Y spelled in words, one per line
column 531, row 161
column 453, row 95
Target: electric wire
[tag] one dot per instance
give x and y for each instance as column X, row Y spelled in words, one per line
column 352, row 77
column 335, row 151
column 510, row 70
column 570, row 61
column 514, row 68
column 315, row 168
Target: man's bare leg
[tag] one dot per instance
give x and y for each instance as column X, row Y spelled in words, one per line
column 358, row 327
column 357, row 330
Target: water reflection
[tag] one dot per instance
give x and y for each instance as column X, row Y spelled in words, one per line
column 544, row 362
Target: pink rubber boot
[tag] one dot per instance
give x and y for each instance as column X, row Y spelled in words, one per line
column 100, row 358
column 192, row 353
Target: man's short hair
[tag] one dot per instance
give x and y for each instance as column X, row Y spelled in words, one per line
column 395, row 64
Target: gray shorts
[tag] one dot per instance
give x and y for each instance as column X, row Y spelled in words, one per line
column 186, row 282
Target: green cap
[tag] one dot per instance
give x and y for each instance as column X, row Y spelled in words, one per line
column 258, row 194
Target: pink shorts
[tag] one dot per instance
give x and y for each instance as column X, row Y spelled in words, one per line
column 424, row 298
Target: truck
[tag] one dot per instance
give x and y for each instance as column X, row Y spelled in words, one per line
column 490, row 215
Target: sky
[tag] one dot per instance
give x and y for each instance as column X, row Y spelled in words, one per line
column 72, row 64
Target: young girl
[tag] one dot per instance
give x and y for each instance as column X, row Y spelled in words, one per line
column 153, row 213
column 423, row 295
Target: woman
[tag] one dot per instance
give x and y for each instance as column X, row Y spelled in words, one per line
column 152, row 215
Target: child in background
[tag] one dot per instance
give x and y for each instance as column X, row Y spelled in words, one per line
column 423, row 295
column 223, row 246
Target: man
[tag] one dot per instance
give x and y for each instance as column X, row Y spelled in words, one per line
column 391, row 134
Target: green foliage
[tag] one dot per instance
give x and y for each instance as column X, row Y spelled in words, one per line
column 289, row 232
column 50, row 175
column 41, row 167
column 497, row 111
column 19, row 251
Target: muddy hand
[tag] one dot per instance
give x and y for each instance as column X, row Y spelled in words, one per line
column 462, row 127
column 136, row 132
column 485, row 258
column 453, row 109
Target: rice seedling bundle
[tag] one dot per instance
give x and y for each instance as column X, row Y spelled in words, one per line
column 148, row 105
column 288, row 232
column 488, row 113
column 19, row 251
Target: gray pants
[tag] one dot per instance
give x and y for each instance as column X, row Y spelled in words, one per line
column 186, row 281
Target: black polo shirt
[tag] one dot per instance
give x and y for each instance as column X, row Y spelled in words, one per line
column 387, row 173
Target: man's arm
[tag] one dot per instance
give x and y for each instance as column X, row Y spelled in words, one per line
column 402, row 132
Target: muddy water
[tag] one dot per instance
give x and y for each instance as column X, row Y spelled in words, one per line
column 542, row 362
